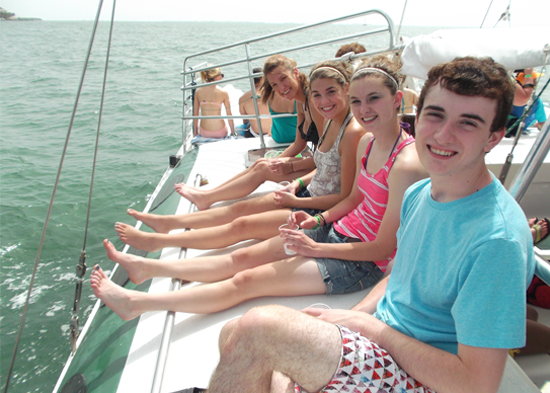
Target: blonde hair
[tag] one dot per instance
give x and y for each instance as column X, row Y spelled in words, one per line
column 284, row 62
column 209, row 75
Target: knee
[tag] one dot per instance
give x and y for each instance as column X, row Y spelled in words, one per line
column 226, row 332
column 254, row 324
column 244, row 280
column 259, row 161
column 263, row 321
column 241, row 256
column 240, row 224
column 261, row 166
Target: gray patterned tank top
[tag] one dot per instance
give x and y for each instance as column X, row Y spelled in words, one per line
column 327, row 179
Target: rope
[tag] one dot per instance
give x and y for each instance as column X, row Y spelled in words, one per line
column 31, row 284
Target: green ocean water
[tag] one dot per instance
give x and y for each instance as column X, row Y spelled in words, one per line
column 41, row 64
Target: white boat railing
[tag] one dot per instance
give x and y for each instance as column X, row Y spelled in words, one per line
column 189, row 79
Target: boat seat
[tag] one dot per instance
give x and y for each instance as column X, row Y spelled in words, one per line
column 515, row 380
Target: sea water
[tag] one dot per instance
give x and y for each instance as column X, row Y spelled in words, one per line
column 41, row 65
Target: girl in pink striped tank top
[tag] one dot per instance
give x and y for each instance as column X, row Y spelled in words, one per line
column 358, row 236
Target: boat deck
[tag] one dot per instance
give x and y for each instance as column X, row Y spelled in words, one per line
column 193, row 351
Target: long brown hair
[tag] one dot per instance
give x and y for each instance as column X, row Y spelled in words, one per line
column 288, row 64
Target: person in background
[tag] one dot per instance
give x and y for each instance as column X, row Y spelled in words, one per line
column 526, row 82
column 410, row 101
column 455, row 301
column 283, row 83
column 249, row 128
column 208, row 101
column 353, row 48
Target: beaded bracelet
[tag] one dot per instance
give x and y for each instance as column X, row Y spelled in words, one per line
column 324, row 222
column 301, row 183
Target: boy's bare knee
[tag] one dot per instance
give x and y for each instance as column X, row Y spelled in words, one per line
column 264, row 319
column 226, row 332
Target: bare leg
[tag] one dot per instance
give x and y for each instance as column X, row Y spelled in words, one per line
column 202, row 269
column 538, row 335
column 208, row 218
column 538, row 339
column 291, row 277
column 239, row 187
column 258, row 226
column 275, row 338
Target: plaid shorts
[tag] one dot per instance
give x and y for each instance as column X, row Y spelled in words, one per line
column 367, row 368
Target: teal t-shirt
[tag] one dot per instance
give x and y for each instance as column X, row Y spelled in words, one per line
column 283, row 130
column 461, row 270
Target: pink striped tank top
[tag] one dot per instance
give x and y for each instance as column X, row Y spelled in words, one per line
column 364, row 221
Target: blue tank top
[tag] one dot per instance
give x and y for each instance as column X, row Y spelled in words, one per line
column 283, row 129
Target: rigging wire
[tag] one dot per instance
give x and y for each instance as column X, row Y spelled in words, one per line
column 39, row 252
column 81, row 267
column 506, row 15
column 400, row 23
column 486, row 13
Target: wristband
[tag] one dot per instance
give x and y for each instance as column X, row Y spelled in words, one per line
column 324, row 222
column 318, row 222
column 528, row 76
column 301, row 183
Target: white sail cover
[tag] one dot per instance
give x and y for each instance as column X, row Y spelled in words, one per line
column 515, row 48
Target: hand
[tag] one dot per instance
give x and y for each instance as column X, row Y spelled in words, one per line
column 279, row 166
column 357, row 321
column 301, row 243
column 285, row 198
column 299, row 218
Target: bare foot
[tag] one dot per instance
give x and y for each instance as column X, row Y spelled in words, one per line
column 115, row 297
column 532, row 221
column 158, row 223
column 136, row 238
column 133, row 264
column 193, row 195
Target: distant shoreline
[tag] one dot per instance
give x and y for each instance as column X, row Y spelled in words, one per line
column 20, row 19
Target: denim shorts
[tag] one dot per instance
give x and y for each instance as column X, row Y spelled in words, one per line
column 304, row 193
column 340, row 275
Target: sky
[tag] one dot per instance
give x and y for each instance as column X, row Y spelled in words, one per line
column 467, row 13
